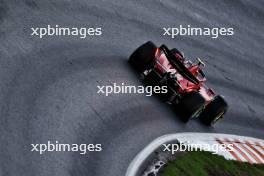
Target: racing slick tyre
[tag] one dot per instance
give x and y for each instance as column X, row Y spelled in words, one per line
column 214, row 110
column 143, row 56
column 191, row 105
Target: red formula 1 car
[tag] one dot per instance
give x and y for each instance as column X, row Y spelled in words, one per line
column 184, row 79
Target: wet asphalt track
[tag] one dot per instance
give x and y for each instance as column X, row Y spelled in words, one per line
column 48, row 87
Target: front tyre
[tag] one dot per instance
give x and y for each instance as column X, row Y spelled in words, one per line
column 143, row 56
column 214, row 111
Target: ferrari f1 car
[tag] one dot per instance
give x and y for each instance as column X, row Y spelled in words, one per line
column 185, row 81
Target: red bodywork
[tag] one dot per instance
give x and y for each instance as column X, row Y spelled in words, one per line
column 163, row 65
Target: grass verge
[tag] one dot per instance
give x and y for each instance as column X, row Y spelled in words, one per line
column 207, row 164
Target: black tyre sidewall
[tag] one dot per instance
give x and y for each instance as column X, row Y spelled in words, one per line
column 143, row 56
column 213, row 109
column 190, row 104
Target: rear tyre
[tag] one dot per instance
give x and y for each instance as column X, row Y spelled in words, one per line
column 191, row 105
column 214, row 111
column 143, row 56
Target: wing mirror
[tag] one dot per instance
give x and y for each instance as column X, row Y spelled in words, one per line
column 200, row 62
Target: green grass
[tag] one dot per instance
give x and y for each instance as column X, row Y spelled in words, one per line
column 207, row 164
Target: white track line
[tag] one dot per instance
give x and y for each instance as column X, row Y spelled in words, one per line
column 247, row 149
